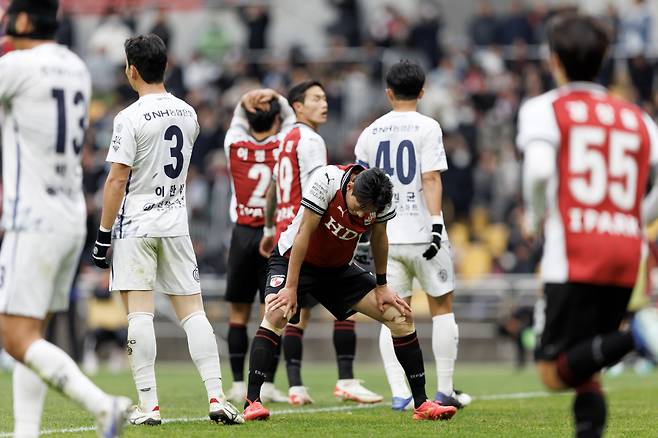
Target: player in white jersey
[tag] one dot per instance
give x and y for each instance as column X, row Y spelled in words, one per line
column 44, row 93
column 144, row 205
column 409, row 147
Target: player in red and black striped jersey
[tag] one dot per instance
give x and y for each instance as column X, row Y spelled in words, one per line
column 251, row 146
column 302, row 153
column 314, row 257
column 587, row 156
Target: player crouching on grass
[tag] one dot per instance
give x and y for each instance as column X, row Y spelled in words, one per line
column 313, row 257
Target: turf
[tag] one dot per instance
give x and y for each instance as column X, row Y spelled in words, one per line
column 632, row 404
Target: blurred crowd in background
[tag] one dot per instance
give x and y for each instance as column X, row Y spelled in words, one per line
column 474, row 88
column 475, row 85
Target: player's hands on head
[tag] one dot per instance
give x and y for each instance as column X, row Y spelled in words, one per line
column 258, row 99
column 385, row 295
column 101, row 246
column 435, row 246
column 285, row 299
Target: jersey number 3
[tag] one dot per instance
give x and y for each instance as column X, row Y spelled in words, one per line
column 176, row 151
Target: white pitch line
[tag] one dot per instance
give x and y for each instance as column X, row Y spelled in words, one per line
column 511, row 396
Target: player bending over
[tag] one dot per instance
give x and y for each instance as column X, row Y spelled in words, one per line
column 44, row 92
column 302, row 152
column 409, row 147
column 586, row 165
column 145, row 216
column 313, row 257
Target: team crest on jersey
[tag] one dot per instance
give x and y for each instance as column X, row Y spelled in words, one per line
column 277, row 280
column 370, row 219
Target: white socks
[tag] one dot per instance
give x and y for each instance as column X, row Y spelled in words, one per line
column 141, row 354
column 56, row 368
column 203, row 350
column 397, row 380
column 29, row 394
column 445, row 337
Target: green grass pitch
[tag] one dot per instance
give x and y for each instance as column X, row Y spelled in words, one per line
column 507, row 404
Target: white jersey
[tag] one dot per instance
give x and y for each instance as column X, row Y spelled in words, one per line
column 154, row 136
column 44, row 93
column 405, row 145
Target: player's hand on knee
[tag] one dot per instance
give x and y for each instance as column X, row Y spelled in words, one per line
column 285, row 299
column 435, row 246
column 101, row 246
column 385, row 295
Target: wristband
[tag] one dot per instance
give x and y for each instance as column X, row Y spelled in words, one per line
column 437, row 220
column 269, row 231
column 381, row 279
column 103, row 229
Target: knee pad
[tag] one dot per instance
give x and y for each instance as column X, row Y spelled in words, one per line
column 398, row 324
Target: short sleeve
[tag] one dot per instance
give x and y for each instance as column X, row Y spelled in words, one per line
column 387, row 214
column 537, row 122
column 361, row 150
column 123, row 146
column 312, row 154
column 12, row 76
column 320, row 191
column 653, row 138
column 432, row 152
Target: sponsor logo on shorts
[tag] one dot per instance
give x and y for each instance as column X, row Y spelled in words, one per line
column 443, row 275
column 195, row 274
column 277, row 280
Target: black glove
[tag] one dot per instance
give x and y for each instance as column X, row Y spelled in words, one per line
column 102, row 244
column 435, row 246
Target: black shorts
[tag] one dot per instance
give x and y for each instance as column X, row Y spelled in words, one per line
column 246, row 267
column 337, row 289
column 576, row 312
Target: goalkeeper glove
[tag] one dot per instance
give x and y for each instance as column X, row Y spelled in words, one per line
column 102, row 244
column 435, row 246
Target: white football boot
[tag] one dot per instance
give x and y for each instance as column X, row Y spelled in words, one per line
column 140, row 416
column 269, row 394
column 110, row 422
column 222, row 411
column 353, row 389
column 298, row 395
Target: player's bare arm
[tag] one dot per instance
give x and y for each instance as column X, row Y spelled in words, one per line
column 288, row 295
column 538, row 168
column 433, row 192
column 384, row 294
column 113, row 191
column 267, row 241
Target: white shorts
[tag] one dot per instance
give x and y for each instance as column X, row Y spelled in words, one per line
column 161, row 264
column 37, row 272
column 406, row 262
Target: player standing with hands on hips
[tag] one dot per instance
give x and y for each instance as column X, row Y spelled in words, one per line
column 144, row 219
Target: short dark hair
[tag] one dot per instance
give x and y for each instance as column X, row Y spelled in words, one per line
column 298, row 92
column 580, row 42
column 148, row 54
column 405, row 79
column 261, row 121
column 373, row 188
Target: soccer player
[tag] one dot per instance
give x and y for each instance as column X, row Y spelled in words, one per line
column 44, row 92
column 149, row 155
column 302, row 152
column 251, row 145
column 408, row 146
column 586, row 165
column 313, row 257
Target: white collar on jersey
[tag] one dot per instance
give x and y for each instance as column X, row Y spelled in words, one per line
column 585, row 86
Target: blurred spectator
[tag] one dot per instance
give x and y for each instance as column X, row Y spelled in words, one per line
column 108, row 38
column 424, row 34
column 636, row 28
column 347, row 22
column 389, row 27
column 484, row 27
column 257, row 19
column 65, row 29
column 515, row 25
column 161, row 28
